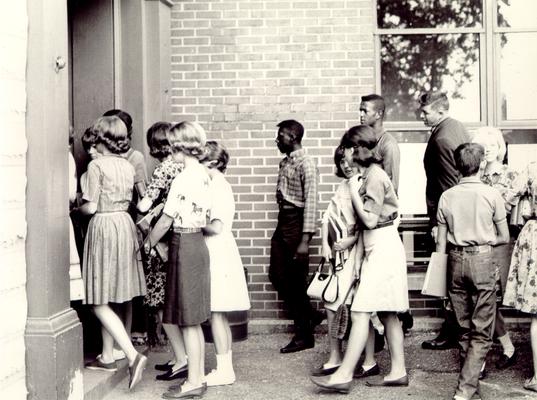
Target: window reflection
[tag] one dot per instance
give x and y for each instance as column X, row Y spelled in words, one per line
column 517, row 13
column 413, row 63
column 518, row 76
column 429, row 14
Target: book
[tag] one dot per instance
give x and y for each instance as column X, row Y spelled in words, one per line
column 435, row 283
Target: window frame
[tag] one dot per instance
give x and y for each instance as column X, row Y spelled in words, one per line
column 489, row 76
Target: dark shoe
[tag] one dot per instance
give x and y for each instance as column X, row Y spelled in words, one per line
column 324, row 371
column 170, row 375
column 505, row 362
column 322, row 381
column 136, row 370
column 383, row 382
column 164, row 366
column 98, row 365
column 440, row 343
column 483, row 374
column 361, row 373
column 189, row 394
column 529, row 384
column 297, row 345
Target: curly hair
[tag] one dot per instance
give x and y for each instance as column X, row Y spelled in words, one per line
column 157, row 140
column 361, row 136
column 112, row 133
column 89, row 138
column 189, row 138
column 216, row 152
column 122, row 115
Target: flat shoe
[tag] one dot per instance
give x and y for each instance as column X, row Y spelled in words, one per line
column 323, row 382
column 403, row 381
column 361, row 373
column 136, row 370
column 164, row 366
column 505, row 362
column 99, row 365
column 189, row 394
column 324, row 371
column 170, row 375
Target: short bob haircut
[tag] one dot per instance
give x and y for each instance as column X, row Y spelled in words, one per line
column 112, row 133
column 339, row 155
column 189, row 138
column 468, row 157
column 377, row 101
column 157, row 140
column 437, row 99
column 361, row 136
column 89, row 138
column 216, row 152
column 293, row 127
column 485, row 132
column 124, row 116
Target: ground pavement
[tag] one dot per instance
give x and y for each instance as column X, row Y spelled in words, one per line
column 263, row 373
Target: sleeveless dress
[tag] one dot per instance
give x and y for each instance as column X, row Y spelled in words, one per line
column 112, row 270
column 229, row 291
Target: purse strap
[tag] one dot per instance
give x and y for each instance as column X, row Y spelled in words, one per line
column 349, row 290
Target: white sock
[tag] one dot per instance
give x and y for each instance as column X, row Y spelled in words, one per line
column 508, row 348
column 368, row 367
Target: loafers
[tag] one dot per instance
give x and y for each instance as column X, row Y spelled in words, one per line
column 170, row 374
column 529, row 384
column 164, row 366
column 361, row 373
column 188, row 394
column 323, row 382
column 324, row 371
column 136, row 370
column 99, row 365
column 297, row 345
column 439, row 344
column 505, row 361
column 403, row 381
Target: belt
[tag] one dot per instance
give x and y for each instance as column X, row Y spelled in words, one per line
column 288, row 206
column 186, row 230
column 383, row 224
column 483, row 248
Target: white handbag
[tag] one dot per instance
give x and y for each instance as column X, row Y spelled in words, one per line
column 324, row 285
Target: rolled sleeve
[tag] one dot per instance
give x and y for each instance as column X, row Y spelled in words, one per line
column 309, row 171
column 373, row 196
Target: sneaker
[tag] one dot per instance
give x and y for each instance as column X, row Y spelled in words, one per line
column 98, row 364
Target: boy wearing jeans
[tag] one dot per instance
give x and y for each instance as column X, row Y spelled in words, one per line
column 471, row 219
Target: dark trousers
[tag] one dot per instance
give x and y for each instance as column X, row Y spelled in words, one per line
column 288, row 274
column 471, row 284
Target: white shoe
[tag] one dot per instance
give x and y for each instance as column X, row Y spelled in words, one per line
column 218, row 377
column 117, row 354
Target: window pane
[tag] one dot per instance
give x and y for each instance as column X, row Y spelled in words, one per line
column 517, row 13
column 429, row 13
column 411, row 64
column 518, row 76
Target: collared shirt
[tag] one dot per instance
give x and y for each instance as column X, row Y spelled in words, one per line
column 387, row 149
column 470, row 210
column 297, row 184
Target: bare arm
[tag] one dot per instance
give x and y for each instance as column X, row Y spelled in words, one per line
column 88, row 208
column 161, row 227
column 214, row 228
column 502, row 233
column 441, row 239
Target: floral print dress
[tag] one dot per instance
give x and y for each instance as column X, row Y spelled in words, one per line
column 157, row 190
column 521, row 289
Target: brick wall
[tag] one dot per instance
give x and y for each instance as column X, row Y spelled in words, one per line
column 13, row 42
column 240, row 67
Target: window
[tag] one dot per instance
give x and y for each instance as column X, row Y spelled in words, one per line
column 482, row 52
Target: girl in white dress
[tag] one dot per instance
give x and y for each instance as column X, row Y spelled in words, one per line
column 229, row 291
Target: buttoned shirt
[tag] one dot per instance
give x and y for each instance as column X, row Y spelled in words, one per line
column 470, row 210
column 297, row 184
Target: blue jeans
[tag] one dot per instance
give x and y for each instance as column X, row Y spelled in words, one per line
column 471, row 287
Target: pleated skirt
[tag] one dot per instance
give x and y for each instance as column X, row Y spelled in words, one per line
column 112, row 269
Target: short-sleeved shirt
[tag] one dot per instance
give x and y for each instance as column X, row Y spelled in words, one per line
column 109, row 183
column 189, row 199
column 470, row 210
column 387, row 149
column 138, row 162
column 297, row 184
column 162, row 178
column 378, row 194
